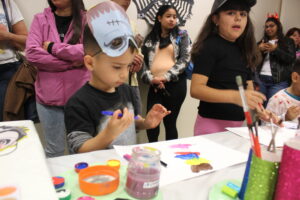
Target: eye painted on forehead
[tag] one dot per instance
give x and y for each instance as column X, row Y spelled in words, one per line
column 118, row 43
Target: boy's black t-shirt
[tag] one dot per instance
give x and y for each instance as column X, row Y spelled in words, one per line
column 83, row 118
column 221, row 61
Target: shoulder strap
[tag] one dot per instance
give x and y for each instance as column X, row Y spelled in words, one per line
column 6, row 16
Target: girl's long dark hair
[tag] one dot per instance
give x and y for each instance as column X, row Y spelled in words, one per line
column 77, row 8
column 155, row 33
column 246, row 41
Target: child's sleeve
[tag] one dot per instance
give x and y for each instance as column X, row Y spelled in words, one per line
column 277, row 104
column 183, row 58
column 68, row 52
column 146, row 76
column 78, row 124
column 285, row 53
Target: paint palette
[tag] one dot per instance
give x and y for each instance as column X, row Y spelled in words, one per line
column 216, row 191
column 71, row 183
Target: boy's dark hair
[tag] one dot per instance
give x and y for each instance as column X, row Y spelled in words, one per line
column 77, row 8
column 91, row 46
column 296, row 67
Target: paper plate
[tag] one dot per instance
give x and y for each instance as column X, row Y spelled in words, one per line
column 216, row 191
column 71, row 183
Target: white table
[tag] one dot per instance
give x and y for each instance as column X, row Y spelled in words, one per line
column 23, row 165
column 192, row 189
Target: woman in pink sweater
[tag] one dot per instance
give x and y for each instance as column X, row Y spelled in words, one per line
column 54, row 46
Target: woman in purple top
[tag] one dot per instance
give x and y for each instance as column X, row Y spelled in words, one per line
column 54, row 46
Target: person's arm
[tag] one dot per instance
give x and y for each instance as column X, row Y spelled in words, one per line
column 73, row 53
column 200, row 90
column 17, row 38
column 146, row 76
column 184, row 58
column 39, row 57
column 114, row 128
column 153, row 117
column 286, row 55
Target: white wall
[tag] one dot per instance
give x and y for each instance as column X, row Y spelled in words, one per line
column 290, row 17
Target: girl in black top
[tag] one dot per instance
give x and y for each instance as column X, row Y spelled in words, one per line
column 278, row 54
column 224, row 49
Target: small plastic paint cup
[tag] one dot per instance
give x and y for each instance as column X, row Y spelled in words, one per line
column 58, row 182
column 114, row 163
column 80, row 166
column 63, row 194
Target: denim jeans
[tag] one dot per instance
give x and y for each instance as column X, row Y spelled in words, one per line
column 269, row 88
column 6, row 72
column 53, row 124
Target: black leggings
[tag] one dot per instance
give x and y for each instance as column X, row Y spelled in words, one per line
column 172, row 101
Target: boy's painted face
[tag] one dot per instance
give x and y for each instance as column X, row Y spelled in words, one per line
column 109, row 72
column 62, row 3
column 231, row 24
column 271, row 29
column 169, row 19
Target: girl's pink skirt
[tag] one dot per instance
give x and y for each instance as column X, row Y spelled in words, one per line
column 208, row 125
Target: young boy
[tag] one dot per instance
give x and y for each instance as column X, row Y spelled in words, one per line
column 286, row 102
column 110, row 48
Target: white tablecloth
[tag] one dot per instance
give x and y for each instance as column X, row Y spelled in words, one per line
column 24, row 165
column 192, row 189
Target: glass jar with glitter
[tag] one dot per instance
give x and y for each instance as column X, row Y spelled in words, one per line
column 143, row 173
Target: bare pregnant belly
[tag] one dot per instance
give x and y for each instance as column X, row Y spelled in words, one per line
column 163, row 61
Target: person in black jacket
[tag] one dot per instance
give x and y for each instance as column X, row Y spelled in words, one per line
column 278, row 57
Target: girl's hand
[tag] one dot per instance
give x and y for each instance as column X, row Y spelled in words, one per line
column 45, row 45
column 267, row 115
column 158, row 80
column 254, row 99
column 271, row 47
column 262, row 47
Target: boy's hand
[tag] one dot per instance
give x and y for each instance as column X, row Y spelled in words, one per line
column 292, row 113
column 155, row 115
column 118, row 125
